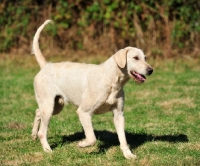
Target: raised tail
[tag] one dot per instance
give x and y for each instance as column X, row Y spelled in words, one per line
column 36, row 49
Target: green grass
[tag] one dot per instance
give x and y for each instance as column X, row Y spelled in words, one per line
column 162, row 120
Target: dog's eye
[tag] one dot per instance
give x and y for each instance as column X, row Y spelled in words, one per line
column 136, row 58
column 145, row 58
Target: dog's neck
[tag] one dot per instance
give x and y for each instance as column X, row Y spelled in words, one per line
column 117, row 76
column 115, row 80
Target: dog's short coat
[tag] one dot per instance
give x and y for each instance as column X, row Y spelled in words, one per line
column 95, row 89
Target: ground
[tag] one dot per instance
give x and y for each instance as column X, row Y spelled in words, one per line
column 162, row 119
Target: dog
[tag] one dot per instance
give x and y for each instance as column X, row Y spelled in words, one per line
column 95, row 89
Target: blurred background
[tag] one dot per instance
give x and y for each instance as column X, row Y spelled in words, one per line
column 162, row 28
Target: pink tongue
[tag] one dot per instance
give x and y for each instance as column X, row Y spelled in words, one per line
column 140, row 77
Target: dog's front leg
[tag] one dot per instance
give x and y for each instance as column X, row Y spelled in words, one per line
column 119, row 124
column 86, row 121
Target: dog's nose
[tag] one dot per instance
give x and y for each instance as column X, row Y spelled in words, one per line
column 149, row 71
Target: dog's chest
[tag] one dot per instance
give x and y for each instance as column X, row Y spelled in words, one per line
column 115, row 89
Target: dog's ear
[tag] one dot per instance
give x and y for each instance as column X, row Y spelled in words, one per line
column 120, row 58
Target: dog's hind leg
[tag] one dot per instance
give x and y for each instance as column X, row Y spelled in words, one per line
column 36, row 124
column 46, row 111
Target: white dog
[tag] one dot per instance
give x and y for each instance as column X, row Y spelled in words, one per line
column 95, row 89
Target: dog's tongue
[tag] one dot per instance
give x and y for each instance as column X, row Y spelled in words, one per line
column 141, row 77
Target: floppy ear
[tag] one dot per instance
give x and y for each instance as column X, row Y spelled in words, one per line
column 120, row 58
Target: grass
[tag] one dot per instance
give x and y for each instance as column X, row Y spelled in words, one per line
column 162, row 120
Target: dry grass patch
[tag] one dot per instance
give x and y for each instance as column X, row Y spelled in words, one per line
column 27, row 158
column 145, row 94
column 33, row 158
column 194, row 81
column 144, row 161
column 15, row 125
column 190, row 146
column 13, row 162
column 169, row 104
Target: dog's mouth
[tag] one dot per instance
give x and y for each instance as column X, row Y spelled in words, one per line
column 139, row 78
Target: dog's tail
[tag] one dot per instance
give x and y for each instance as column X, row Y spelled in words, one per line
column 36, row 49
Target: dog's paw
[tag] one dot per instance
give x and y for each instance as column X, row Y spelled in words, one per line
column 127, row 154
column 85, row 143
column 34, row 137
column 48, row 150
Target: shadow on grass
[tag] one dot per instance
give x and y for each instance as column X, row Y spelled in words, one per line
column 109, row 139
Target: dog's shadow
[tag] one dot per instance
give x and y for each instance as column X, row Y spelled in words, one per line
column 109, row 139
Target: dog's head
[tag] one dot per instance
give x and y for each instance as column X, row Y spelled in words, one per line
column 134, row 61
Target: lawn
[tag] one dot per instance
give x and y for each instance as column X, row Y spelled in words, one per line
column 162, row 120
